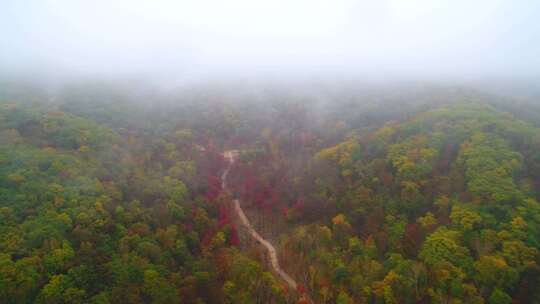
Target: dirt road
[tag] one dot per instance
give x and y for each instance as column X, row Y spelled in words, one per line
column 231, row 156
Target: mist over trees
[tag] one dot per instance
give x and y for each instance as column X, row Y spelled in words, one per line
column 402, row 193
column 256, row 151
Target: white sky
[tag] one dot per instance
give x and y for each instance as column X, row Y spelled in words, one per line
column 416, row 37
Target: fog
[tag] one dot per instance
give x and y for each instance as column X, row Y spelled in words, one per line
column 181, row 40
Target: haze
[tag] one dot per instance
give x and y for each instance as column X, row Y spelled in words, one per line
column 183, row 39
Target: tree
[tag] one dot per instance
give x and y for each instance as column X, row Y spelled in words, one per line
column 19, row 280
column 464, row 217
column 499, row 297
column 489, row 167
column 443, row 246
column 59, row 258
column 158, row 288
column 343, row 298
column 493, row 271
column 60, row 289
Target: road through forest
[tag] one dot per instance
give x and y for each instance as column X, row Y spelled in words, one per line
column 230, row 156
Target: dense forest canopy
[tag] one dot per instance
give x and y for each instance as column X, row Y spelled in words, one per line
column 370, row 193
column 270, row 152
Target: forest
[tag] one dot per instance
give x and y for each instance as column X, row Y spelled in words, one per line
column 403, row 193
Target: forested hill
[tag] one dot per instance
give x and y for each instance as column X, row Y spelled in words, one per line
column 441, row 208
column 92, row 215
column 365, row 202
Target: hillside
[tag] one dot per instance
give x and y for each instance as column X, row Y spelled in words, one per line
column 122, row 202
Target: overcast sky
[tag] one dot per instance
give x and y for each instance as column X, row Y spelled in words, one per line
column 459, row 38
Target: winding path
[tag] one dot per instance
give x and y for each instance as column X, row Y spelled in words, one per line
column 231, row 156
